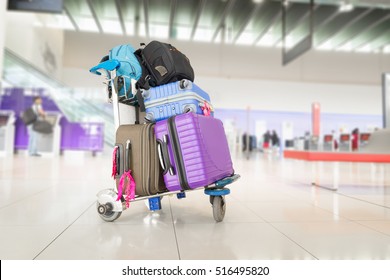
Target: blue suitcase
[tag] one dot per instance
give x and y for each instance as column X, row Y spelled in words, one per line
column 175, row 98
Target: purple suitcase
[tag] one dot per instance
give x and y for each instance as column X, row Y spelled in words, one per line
column 193, row 151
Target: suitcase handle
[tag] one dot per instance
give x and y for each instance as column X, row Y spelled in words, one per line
column 118, row 160
column 127, row 155
column 163, row 155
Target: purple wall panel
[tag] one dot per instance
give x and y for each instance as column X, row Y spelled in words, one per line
column 75, row 136
column 89, row 136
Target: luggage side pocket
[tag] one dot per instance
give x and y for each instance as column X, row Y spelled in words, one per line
column 127, row 184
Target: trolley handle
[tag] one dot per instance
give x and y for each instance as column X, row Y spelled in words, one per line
column 163, row 156
column 105, row 67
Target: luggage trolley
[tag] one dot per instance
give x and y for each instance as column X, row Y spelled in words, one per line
column 108, row 208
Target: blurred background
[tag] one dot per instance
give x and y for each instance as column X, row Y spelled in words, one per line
column 303, row 90
column 235, row 48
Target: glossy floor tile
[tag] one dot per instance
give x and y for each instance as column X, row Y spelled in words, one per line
column 236, row 241
column 338, row 240
column 381, row 226
column 114, row 241
column 279, row 209
column 26, row 242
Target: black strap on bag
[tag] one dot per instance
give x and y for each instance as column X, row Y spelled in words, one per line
column 140, row 100
column 137, row 115
column 142, row 82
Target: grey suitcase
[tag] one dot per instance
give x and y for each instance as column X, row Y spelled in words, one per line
column 137, row 151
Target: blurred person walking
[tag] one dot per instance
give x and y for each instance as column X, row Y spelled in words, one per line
column 355, row 139
column 275, row 139
column 266, row 140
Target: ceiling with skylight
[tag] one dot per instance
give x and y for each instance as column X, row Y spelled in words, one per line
column 349, row 25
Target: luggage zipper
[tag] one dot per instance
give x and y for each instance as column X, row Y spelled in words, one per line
column 149, row 165
column 181, row 171
column 154, row 158
column 145, row 159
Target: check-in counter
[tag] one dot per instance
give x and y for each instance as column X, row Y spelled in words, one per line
column 49, row 144
column 7, row 133
column 328, row 143
column 345, row 144
column 363, row 139
column 313, row 143
column 299, row 143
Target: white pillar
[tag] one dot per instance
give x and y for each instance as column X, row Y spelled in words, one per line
column 3, row 9
column 386, row 99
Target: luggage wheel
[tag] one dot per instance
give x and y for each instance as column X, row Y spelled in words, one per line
column 217, row 200
column 219, row 207
column 105, row 212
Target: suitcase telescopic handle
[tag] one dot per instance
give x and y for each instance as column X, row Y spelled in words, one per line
column 127, row 155
column 163, row 155
column 118, row 160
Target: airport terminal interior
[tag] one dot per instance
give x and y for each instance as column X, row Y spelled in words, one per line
column 301, row 87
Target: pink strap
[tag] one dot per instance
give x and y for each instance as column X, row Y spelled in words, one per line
column 206, row 108
column 126, row 183
column 114, row 167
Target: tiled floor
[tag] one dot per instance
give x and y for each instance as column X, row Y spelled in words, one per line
column 48, row 211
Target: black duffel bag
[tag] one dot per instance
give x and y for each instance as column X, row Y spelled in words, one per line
column 29, row 116
column 162, row 64
column 43, row 126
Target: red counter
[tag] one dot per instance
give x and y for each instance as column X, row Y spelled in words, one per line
column 336, row 156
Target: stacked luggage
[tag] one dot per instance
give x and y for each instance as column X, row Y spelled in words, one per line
column 178, row 145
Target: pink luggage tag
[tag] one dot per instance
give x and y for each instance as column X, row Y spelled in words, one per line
column 127, row 184
column 114, row 166
column 206, row 109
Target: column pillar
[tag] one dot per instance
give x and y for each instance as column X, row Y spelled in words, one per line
column 386, row 99
column 3, row 10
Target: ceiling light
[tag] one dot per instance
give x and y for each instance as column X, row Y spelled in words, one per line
column 365, row 49
column 246, row 38
column 327, row 46
column 257, row 1
column 345, row 7
column 346, row 47
column 267, row 40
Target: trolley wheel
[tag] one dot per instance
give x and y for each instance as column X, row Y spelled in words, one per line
column 219, row 207
column 105, row 212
